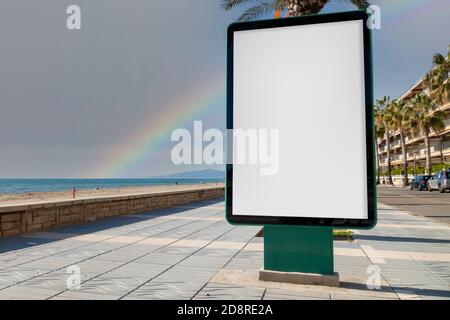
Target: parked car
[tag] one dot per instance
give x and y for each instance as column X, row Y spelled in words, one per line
column 440, row 181
column 420, row 182
column 432, row 183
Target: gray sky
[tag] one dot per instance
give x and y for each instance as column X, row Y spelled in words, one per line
column 68, row 98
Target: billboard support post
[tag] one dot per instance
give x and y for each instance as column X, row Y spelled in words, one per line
column 298, row 249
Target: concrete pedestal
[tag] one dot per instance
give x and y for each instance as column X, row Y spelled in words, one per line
column 330, row 280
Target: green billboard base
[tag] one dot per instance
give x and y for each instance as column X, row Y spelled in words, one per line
column 299, row 249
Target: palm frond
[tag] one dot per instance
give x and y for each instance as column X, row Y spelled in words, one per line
column 438, row 59
column 261, row 8
column 230, row 4
column 282, row 4
column 257, row 10
column 437, row 121
column 360, row 4
column 383, row 102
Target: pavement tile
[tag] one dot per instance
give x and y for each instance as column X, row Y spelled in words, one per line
column 24, row 292
column 166, row 289
column 83, row 295
column 192, row 252
column 229, row 292
column 280, row 294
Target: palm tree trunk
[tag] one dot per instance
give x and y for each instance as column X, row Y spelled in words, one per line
column 428, row 154
column 389, row 167
column 299, row 7
column 378, row 160
column 441, row 145
column 415, row 163
column 405, row 160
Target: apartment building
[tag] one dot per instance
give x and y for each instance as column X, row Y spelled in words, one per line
column 416, row 152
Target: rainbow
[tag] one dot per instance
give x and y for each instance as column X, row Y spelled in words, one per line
column 153, row 133
column 399, row 10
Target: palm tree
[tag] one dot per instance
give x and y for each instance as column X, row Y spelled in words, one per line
column 423, row 119
column 382, row 104
column 379, row 134
column 399, row 121
column 436, row 79
column 290, row 8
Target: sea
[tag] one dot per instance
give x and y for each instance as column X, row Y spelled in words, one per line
column 8, row 186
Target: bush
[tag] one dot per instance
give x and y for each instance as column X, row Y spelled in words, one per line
column 398, row 171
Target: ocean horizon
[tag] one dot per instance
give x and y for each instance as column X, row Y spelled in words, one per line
column 23, row 185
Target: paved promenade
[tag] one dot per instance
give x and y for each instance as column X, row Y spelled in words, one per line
column 191, row 252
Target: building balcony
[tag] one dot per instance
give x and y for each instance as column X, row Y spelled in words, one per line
column 419, row 155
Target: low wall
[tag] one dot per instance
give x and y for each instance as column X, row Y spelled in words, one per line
column 397, row 180
column 17, row 219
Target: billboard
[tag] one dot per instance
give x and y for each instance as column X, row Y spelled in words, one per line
column 301, row 89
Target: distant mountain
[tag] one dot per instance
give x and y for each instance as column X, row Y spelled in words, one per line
column 199, row 174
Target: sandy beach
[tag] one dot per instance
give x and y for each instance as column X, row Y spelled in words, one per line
column 38, row 197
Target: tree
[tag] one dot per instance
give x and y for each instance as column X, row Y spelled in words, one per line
column 382, row 104
column 437, row 82
column 423, row 119
column 398, row 120
column 437, row 78
column 379, row 134
column 289, row 8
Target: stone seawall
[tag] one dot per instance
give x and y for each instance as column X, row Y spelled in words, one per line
column 24, row 218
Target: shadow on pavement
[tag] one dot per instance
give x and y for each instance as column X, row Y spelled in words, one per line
column 399, row 239
column 25, row 241
column 399, row 290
